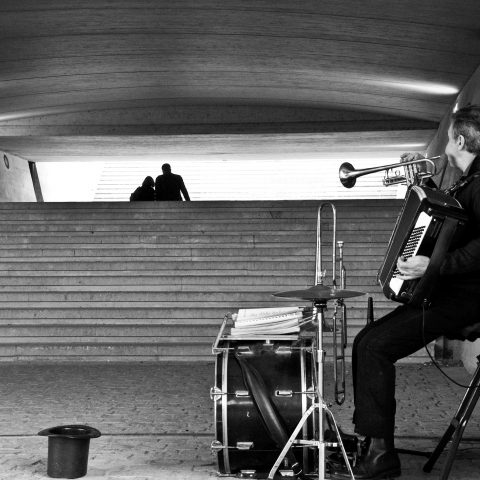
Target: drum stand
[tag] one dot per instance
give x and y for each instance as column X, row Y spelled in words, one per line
column 319, row 357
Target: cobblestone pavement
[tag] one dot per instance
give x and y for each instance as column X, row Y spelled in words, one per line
column 156, row 419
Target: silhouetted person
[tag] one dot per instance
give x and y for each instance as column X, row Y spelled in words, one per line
column 145, row 193
column 168, row 185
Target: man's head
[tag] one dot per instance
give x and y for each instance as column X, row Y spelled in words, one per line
column 166, row 168
column 463, row 136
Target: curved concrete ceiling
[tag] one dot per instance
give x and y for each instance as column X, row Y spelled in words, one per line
column 76, row 75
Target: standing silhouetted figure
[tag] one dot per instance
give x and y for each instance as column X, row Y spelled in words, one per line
column 144, row 193
column 168, row 185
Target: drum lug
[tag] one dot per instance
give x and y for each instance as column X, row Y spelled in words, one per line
column 216, row 394
column 284, row 393
column 244, row 445
column 244, row 350
column 284, row 350
column 248, row 474
column 311, row 393
column 242, row 393
column 216, row 446
column 268, row 345
column 286, row 473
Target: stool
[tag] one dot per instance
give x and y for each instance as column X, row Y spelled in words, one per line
column 461, row 418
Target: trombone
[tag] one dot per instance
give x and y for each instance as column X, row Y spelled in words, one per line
column 339, row 322
column 411, row 176
column 340, row 326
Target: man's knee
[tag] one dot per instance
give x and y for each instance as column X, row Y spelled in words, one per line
column 372, row 343
column 362, row 337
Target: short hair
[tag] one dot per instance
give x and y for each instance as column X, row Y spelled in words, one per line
column 466, row 122
column 166, row 168
column 148, row 182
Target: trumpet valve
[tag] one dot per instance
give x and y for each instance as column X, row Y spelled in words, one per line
column 387, row 181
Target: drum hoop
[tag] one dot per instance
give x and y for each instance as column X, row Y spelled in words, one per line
column 226, row 456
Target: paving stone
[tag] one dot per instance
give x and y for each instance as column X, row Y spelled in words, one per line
column 156, row 419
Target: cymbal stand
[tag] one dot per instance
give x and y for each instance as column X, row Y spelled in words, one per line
column 319, row 356
column 319, row 295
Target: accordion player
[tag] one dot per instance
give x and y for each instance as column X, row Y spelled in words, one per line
column 427, row 225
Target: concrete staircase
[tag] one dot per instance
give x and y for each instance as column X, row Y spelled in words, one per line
column 152, row 281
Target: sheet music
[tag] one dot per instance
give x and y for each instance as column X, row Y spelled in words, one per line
column 259, row 321
column 256, row 313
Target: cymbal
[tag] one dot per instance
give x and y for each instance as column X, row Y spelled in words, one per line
column 319, row 292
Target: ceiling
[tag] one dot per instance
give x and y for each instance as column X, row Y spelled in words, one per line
column 136, row 79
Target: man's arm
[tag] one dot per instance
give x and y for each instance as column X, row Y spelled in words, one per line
column 466, row 258
column 183, row 189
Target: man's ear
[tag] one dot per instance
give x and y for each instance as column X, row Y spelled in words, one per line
column 460, row 142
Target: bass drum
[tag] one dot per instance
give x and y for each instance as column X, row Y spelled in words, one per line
column 243, row 444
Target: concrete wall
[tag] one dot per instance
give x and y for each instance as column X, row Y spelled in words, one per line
column 15, row 180
column 470, row 94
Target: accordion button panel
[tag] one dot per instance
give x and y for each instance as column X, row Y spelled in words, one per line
column 411, row 247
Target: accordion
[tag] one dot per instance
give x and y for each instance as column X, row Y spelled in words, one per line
column 427, row 225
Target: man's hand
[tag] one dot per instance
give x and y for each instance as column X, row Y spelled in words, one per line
column 410, row 156
column 413, row 267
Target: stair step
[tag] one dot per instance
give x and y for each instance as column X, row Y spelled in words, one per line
column 62, row 351
column 202, row 228
column 183, row 277
column 136, row 333
column 179, row 298
column 168, row 322
column 148, row 252
column 178, row 263
column 153, row 281
column 108, row 340
column 134, row 238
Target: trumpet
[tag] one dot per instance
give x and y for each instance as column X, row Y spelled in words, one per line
column 411, row 176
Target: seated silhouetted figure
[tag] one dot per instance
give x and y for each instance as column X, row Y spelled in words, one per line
column 168, row 185
column 144, row 193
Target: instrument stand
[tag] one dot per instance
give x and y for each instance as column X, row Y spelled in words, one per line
column 457, row 426
column 319, row 357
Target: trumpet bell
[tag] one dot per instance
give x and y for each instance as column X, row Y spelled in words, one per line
column 344, row 174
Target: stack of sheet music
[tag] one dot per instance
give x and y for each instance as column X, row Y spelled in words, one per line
column 267, row 321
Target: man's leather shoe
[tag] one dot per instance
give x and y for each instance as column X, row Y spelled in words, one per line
column 380, row 462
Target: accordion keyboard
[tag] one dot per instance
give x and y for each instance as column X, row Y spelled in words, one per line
column 411, row 247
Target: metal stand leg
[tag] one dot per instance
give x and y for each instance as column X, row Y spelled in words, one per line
column 319, row 356
column 457, row 426
column 320, row 361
